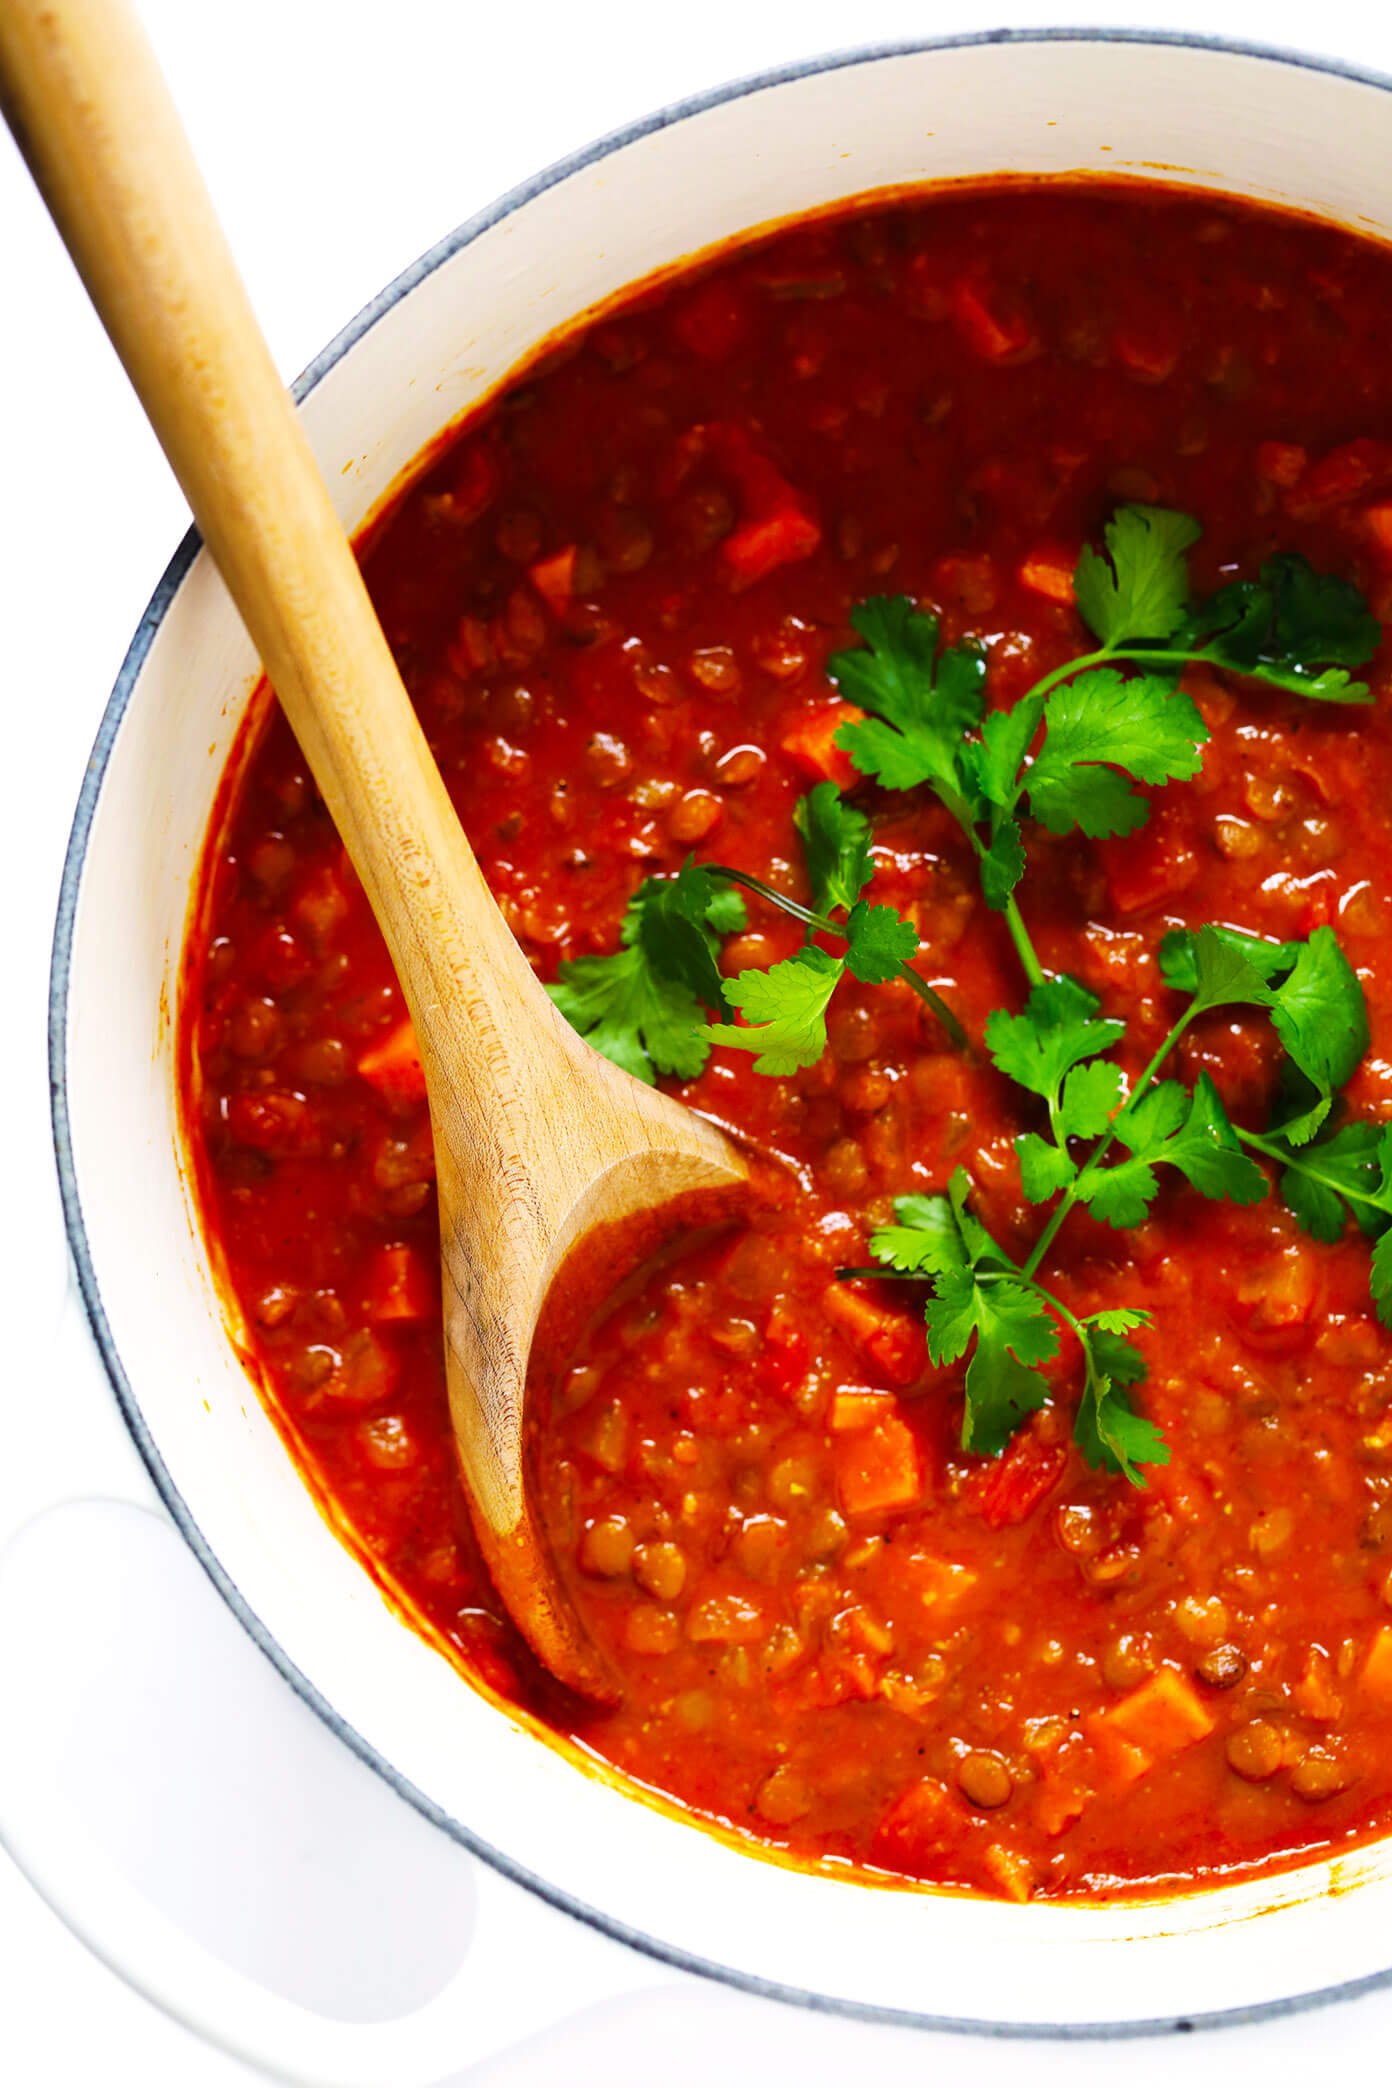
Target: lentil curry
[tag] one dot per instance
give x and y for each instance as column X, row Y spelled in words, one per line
column 1050, row 1663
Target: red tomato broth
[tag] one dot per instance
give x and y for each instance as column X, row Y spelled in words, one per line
column 611, row 599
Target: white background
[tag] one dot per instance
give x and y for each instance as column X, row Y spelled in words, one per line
column 339, row 141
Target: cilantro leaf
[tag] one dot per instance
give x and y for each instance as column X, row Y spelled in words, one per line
column 675, row 921
column 1380, row 1279
column 1003, row 864
column 1089, row 1097
column 1292, row 627
column 1098, row 723
column 1058, row 1029
column 785, row 1009
column 836, row 842
column 1140, row 589
column 1004, row 743
column 1320, row 1015
column 1108, row 1430
column 1179, row 955
column 925, row 1241
column 1013, row 1333
column 1169, row 1127
column 879, row 941
column 921, row 704
column 1045, row 1169
column 1316, row 1003
column 641, row 1005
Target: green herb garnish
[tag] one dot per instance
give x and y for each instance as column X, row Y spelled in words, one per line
column 1065, row 756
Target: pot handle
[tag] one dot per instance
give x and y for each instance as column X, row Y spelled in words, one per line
column 440, row 2043
column 475, row 2016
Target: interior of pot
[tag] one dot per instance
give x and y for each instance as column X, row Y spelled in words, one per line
column 440, row 340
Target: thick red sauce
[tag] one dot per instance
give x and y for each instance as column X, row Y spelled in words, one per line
column 839, row 1633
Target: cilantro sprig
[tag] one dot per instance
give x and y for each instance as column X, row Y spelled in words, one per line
column 1055, row 1049
column 642, row 1006
column 1066, row 757
column 1110, row 717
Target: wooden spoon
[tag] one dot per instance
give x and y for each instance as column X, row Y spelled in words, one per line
column 543, row 1148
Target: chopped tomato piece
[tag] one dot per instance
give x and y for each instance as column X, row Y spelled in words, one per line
column 879, row 1470
column 1377, row 520
column 393, row 1065
column 854, row 1407
column 812, row 745
column 1023, row 1476
column 1049, row 571
column 1163, row 1715
column 554, row 579
column 401, row 1286
column 895, row 1342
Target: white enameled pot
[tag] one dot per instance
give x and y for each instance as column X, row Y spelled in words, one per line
column 1254, row 123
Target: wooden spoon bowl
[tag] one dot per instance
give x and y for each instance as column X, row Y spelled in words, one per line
column 547, row 1155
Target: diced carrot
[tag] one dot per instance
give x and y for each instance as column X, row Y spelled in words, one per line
column 1376, row 1677
column 939, row 1584
column 713, row 320
column 1161, row 1716
column 1148, row 347
column 1281, row 463
column 923, row 1824
column 1011, row 1871
column 1049, row 570
column 896, row 1343
column 400, row 1286
column 554, row 579
column 1339, row 476
column 812, row 744
column 990, row 327
column 776, row 524
column 1060, row 1802
column 1377, row 520
column 879, row 1469
column 393, row 1065
column 855, row 1406
column 1155, row 864
column 756, row 547
column 1013, row 1487
column 471, row 649
column 477, row 478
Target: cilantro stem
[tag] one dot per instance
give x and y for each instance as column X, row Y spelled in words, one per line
column 1298, row 1161
column 927, row 994
column 1024, row 947
column 1089, row 1168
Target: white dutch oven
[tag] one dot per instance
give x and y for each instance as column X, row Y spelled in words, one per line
column 443, row 336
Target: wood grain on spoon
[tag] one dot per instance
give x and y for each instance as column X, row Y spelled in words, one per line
column 543, row 1149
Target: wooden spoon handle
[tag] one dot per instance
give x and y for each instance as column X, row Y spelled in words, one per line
column 94, row 119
